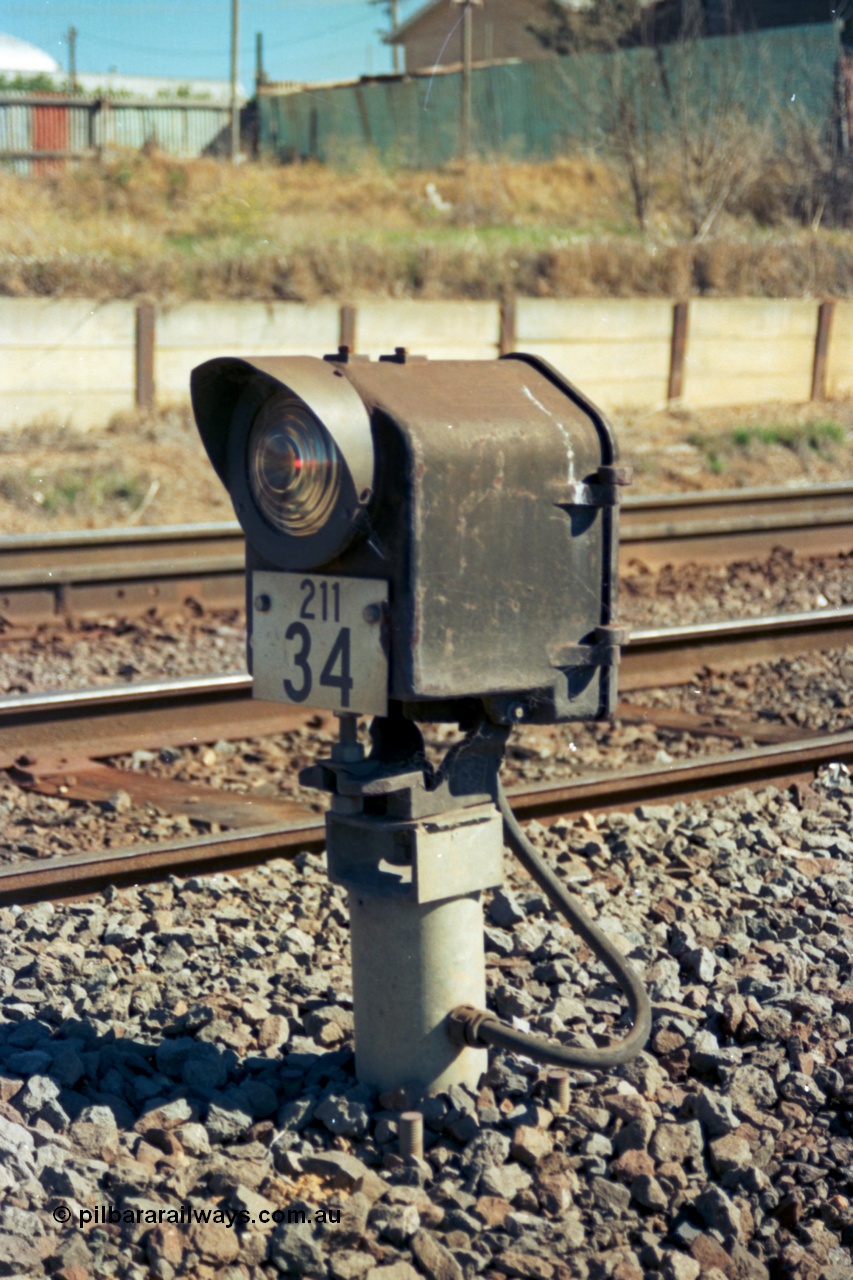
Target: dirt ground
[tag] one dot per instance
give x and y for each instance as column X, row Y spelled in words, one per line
column 152, row 470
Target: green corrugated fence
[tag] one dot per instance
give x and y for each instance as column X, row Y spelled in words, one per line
column 541, row 109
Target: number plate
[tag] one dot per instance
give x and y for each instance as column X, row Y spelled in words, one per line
column 317, row 641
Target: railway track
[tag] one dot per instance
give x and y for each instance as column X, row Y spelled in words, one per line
column 96, row 572
column 58, row 730
column 58, row 744
column 782, row 765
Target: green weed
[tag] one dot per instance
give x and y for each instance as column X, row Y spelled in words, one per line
column 720, row 450
column 798, row 436
column 70, row 492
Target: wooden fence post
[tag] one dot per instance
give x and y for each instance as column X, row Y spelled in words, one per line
column 347, row 323
column 145, row 338
column 825, row 316
column 678, row 350
column 507, row 332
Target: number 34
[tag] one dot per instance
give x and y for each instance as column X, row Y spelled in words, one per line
column 336, row 669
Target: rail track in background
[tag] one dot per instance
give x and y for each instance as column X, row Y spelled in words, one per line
column 59, row 744
column 75, row 725
column 98, row 572
column 785, row 765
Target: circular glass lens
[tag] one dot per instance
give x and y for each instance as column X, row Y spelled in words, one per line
column 294, row 468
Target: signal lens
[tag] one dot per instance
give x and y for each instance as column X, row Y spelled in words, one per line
column 294, row 467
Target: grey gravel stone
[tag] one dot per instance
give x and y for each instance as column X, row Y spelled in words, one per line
column 750, row 1087
column 612, row 1197
column 719, row 1211
column 293, row 1249
column 504, row 909
column 505, row 1181
column 434, row 1259
column 797, row 1087
column 714, row 1112
column 345, row 1114
column 648, row 1192
column 226, row 1124
column 721, row 1148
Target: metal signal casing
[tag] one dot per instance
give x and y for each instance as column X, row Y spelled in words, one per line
column 483, row 493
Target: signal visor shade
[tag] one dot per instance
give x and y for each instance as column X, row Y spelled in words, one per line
column 292, row 441
column 294, row 468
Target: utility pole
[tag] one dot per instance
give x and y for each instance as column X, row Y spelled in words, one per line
column 72, row 57
column 235, row 110
column 260, row 74
column 465, row 115
column 392, row 13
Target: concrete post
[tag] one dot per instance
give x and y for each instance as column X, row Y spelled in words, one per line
column 411, row 965
column 417, row 938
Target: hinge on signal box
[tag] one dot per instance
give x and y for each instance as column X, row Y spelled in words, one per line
column 603, row 650
column 599, row 491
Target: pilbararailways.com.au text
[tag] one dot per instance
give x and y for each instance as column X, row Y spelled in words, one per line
column 189, row 1215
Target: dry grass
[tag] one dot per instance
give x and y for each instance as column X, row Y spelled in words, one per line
column 147, row 225
column 151, row 468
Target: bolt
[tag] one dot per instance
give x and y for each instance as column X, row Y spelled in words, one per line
column 558, row 1091
column 411, row 1135
column 372, row 613
column 516, row 712
column 348, row 749
column 263, row 604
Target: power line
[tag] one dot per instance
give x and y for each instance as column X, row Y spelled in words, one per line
column 195, row 53
column 141, row 48
column 318, row 35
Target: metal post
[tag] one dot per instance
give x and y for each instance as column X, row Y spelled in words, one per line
column 416, row 934
column 558, row 1091
column 347, row 322
column 507, row 336
column 412, row 1135
column 235, row 110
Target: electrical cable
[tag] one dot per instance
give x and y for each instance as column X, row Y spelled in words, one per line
column 479, row 1027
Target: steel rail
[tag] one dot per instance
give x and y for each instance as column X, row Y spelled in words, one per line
column 81, row 874
column 68, row 725
column 98, row 571
column 668, row 656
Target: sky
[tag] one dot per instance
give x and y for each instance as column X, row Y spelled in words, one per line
column 303, row 39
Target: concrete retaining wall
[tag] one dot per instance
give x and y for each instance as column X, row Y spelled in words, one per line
column 200, row 331
column 81, row 362
column 65, row 360
column 748, row 350
column 616, row 352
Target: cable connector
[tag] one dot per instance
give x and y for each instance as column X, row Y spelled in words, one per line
column 464, row 1023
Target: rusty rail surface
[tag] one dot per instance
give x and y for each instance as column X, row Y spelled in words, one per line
column 77, row 875
column 83, row 724
column 97, row 572
column 721, row 526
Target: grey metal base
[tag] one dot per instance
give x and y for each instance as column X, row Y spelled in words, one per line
column 417, row 938
column 412, row 964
